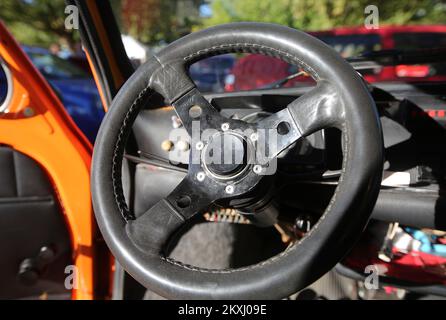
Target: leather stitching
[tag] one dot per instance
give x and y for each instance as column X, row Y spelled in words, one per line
column 251, row 48
column 118, row 153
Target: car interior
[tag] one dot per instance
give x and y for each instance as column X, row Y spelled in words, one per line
column 326, row 176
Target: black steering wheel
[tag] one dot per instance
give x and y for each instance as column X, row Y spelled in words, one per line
column 340, row 99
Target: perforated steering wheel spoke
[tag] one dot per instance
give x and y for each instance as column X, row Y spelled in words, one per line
column 196, row 113
column 173, row 81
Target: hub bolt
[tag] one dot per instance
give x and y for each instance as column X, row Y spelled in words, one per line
column 195, row 111
column 257, row 169
column 229, row 189
column 225, row 126
column 201, row 176
column 199, row 145
column 254, row 137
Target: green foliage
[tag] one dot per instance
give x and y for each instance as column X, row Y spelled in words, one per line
column 41, row 22
column 153, row 21
column 37, row 22
column 326, row 14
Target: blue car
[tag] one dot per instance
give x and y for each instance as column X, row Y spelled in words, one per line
column 75, row 88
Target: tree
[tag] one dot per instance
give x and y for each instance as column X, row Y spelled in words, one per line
column 42, row 22
column 153, row 21
column 326, row 14
column 37, row 22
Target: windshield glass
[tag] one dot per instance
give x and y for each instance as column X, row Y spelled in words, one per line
column 353, row 44
column 414, row 41
column 417, row 40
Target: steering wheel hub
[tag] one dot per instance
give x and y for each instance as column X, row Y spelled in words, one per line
column 225, row 155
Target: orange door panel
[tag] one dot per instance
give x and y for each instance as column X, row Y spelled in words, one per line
column 37, row 125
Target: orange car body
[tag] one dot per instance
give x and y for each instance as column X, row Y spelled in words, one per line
column 37, row 125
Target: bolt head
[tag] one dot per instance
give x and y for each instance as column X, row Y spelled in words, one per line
column 201, row 176
column 167, row 145
column 254, row 136
column 28, row 112
column 195, row 111
column 225, row 126
column 229, row 189
column 257, row 169
column 199, row 145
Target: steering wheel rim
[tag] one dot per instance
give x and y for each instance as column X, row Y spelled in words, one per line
column 335, row 232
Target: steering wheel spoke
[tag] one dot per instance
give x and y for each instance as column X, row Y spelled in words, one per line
column 317, row 109
column 152, row 230
column 196, row 113
column 174, row 83
column 171, row 80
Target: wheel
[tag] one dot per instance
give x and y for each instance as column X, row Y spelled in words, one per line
column 340, row 99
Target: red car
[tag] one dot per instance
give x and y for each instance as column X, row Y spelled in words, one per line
column 257, row 71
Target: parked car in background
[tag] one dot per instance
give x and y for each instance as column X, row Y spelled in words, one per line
column 209, row 74
column 75, row 87
column 257, row 71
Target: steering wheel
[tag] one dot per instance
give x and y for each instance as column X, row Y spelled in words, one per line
column 340, row 99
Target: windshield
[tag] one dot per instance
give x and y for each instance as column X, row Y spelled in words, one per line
column 408, row 41
column 265, row 72
column 352, row 28
column 353, row 44
column 414, row 41
column 218, row 65
column 53, row 67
